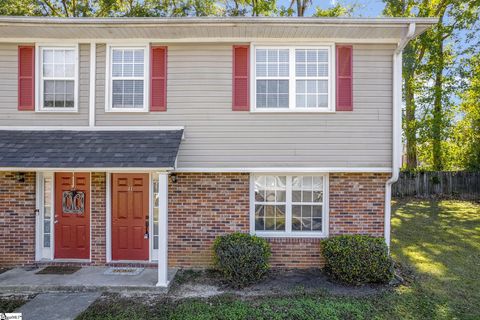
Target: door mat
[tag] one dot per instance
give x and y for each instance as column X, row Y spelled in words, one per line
column 58, row 270
column 123, row 271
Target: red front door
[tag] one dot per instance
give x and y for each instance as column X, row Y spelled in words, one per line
column 72, row 216
column 130, row 216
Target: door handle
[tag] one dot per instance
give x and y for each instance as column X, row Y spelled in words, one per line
column 55, row 221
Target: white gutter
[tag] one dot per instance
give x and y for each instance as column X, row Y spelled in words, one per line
column 397, row 124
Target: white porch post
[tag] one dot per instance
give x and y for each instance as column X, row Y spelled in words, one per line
column 162, row 230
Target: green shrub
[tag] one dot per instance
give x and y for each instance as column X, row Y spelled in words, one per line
column 357, row 259
column 241, row 258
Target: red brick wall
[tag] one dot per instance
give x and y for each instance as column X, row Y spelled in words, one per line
column 98, row 218
column 295, row 252
column 17, row 219
column 357, row 203
column 202, row 206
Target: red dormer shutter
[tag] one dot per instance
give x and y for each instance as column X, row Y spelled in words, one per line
column 241, row 66
column 158, row 78
column 344, row 78
column 26, row 78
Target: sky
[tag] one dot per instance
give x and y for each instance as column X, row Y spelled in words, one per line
column 365, row 8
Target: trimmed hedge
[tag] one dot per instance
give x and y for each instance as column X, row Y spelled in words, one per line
column 241, row 258
column 357, row 259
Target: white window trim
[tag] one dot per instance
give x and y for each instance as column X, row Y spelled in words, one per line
column 292, row 78
column 288, row 233
column 109, row 80
column 39, row 103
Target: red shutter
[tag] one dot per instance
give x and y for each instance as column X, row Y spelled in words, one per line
column 158, row 78
column 26, row 78
column 344, row 78
column 240, row 90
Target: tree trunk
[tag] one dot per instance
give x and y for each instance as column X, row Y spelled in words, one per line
column 437, row 103
column 410, row 125
column 409, row 121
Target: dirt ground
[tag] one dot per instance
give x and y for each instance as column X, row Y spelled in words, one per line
column 204, row 284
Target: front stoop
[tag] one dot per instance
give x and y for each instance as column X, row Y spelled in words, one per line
column 86, row 279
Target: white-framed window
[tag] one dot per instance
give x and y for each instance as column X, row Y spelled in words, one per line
column 156, row 210
column 57, row 78
column 293, row 205
column 45, row 226
column 293, row 78
column 127, row 86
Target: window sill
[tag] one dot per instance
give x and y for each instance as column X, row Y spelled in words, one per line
column 316, row 235
column 291, row 111
column 56, row 111
column 127, row 111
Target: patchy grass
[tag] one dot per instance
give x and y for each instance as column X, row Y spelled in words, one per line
column 9, row 303
column 437, row 244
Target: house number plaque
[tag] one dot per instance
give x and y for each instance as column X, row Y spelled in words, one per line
column 73, row 202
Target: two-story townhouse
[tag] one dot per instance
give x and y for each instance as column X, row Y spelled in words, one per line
column 139, row 140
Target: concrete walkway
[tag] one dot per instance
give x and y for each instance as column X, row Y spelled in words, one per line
column 57, row 306
column 86, row 279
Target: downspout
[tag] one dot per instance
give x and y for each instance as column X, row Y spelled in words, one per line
column 397, row 124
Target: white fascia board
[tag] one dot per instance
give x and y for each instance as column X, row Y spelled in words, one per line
column 287, row 170
column 88, row 128
column 129, row 170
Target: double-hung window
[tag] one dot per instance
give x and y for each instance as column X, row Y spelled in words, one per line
column 127, row 79
column 293, row 78
column 58, row 78
column 289, row 205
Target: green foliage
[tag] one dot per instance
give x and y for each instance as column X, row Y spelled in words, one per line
column 241, row 258
column 431, row 80
column 357, row 259
column 337, row 10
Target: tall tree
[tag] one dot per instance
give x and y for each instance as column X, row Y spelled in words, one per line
column 301, row 6
column 425, row 56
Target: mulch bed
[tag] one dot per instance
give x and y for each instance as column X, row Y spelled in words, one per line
column 58, row 270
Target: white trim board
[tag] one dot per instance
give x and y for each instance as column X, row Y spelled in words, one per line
column 77, row 169
column 92, row 88
column 393, row 41
column 287, row 169
column 88, row 128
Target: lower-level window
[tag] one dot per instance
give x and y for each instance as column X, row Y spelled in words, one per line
column 289, row 205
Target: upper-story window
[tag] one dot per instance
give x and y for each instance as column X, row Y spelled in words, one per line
column 58, row 78
column 127, row 80
column 293, row 78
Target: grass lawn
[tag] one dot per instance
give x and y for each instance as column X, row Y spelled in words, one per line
column 438, row 241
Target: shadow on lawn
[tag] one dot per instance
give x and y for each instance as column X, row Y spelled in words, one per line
column 440, row 241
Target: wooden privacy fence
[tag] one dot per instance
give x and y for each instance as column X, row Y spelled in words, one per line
column 438, row 184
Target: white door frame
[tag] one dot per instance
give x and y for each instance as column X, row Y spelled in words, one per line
column 108, row 209
column 42, row 253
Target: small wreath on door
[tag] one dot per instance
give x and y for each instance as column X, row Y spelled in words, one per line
column 73, row 201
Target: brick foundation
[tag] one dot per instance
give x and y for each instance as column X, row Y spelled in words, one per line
column 357, row 203
column 201, row 207
column 17, row 219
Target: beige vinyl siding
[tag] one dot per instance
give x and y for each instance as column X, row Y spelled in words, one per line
column 10, row 116
column 200, row 98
